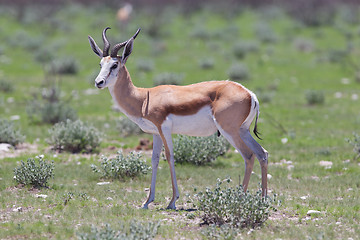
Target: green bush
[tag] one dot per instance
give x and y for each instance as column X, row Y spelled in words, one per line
column 122, row 166
column 240, row 49
column 8, row 134
column 355, row 144
column 144, row 65
column 207, row 63
column 314, row 97
column 238, row 72
column 64, row 66
column 6, row 86
column 168, row 79
column 231, row 205
column 199, row 150
column 137, row 230
column 127, row 127
column 74, row 136
column 264, row 33
column 49, row 108
column 34, row 174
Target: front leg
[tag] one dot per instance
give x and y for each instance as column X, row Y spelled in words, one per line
column 165, row 133
column 157, row 147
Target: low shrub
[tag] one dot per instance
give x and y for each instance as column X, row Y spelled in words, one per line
column 199, row 150
column 144, row 65
column 168, row 79
column 64, row 66
column 231, row 205
column 122, row 166
column 238, row 72
column 224, row 231
column 240, row 49
column 8, row 134
column 6, row 86
column 355, row 143
column 136, row 230
column 314, row 97
column 264, row 33
column 49, row 108
column 207, row 63
column 74, row 136
column 127, row 127
column 34, row 174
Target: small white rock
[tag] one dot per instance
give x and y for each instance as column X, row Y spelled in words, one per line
column 102, row 183
column 354, row 97
column 311, row 212
column 326, row 164
column 40, row 195
column 109, row 198
column 338, row 95
column 303, row 197
column 284, row 140
column 14, row 117
column 345, row 81
column 5, row 147
column 269, row 176
column 18, row 209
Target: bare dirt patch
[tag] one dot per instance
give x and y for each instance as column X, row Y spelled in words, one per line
column 23, row 148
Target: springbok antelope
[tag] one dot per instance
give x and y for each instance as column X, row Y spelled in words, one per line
column 199, row 109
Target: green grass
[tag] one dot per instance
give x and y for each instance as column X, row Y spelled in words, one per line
column 314, row 133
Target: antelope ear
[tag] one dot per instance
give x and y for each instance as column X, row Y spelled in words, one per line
column 95, row 47
column 127, row 50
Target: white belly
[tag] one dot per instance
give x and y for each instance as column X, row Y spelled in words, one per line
column 198, row 124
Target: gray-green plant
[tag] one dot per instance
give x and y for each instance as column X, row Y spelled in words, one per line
column 238, row 72
column 136, row 230
column 315, row 97
column 207, row 63
column 145, row 65
column 6, row 86
column 168, row 78
column 74, row 136
column 240, row 49
column 49, row 107
column 355, row 143
column 264, row 33
column 224, row 231
column 35, row 172
column 64, row 66
column 232, row 205
column 127, row 127
column 199, row 150
column 8, row 133
column 122, row 167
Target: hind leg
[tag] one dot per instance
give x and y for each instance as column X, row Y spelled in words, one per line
column 248, row 156
column 261, row 154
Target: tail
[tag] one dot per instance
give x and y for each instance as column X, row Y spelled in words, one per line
column 256, row 132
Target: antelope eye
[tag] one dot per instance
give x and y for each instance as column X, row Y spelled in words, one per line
column 114, row 66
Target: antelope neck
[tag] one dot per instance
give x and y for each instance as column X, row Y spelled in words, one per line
column 128, row 97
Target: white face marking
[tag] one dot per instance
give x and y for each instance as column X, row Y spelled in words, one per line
column 108, row 73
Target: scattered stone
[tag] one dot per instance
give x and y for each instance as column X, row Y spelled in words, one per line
column 326, row 164
column 102, row 183
column 91, row 91
column 109, row 198
column 345, row 81
column 284, row 140
column 354, row 97
column 14, row 117
column 312, row 212
column 18, row 209
column 41, row 195
column 338, row 95
column 303, row 197
column 5, row 147
column 269, row 176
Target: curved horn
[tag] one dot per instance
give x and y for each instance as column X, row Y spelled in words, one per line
column 106, row 43
column 118, row 46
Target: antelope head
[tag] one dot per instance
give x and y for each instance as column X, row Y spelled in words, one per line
column 111, row 64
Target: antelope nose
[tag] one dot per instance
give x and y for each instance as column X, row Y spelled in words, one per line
column 98, row 84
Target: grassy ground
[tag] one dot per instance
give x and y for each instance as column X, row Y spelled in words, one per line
column 280, row 74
